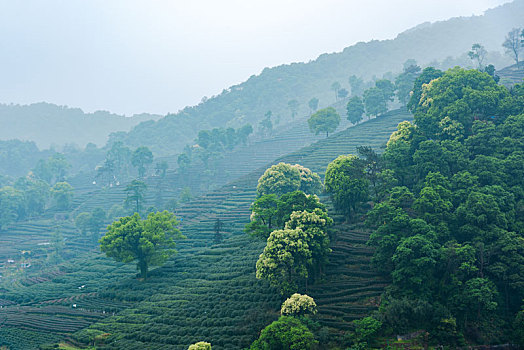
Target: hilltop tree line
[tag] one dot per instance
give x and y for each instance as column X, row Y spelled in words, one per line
column 212, row 144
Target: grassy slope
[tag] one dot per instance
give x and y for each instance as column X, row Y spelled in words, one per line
column 207, row 291
column 511, row 75
column 210, row 292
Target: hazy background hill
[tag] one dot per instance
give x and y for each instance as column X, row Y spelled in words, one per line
column 446, row 42
column 442, row 44
column 48, row 124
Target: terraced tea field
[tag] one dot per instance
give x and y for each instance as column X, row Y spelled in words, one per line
column 208, row 291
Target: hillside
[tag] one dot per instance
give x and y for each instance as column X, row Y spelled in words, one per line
column 208, row 288
column 274, row 87
column 511, row 75
column 48, row 124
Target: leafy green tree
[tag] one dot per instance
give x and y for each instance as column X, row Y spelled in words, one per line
column 346, row 183
column 183, row 161
column 387, row 88
column 135, row 194
column 324, row 120
column 11, row 205
column 357, row 85
column 150, row 242
column 62, row 193
column 475, row 96
column 366, row 330
column 266, row 126
column 479, row 299
column 279, row 179
column 355, row 109
column 201, row 345
column 293, row 107
column 186, row 195
column 414, row 262
column 513, row 44
column 342, row 93
column 117, row 161
column 315, row 224
column 404, row 82
column 335, row 87
column 282, row 178
column 263, row 212
column 310, row 182
column 244, row 132
column 427, row 75
column 313, row 105
column 82, row 222
column 478, row 53
column 141, row 158
column 161, row 168
column 285, row 260
column 298, row 305
column 374, row 102
column 518, row 327
column 96, row 222
column 295, row 201
column 287, row 333
column 36, row 194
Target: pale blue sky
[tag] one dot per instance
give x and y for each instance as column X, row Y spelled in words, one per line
column 157, row 56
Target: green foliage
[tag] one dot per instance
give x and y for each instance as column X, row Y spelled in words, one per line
column 478, row 53
column 513, row 44
column 298, row 305
column 346, row 183
column 450, row 237
column 141, row 158
column 355, row 109
column 161, row 168
column 518, row 328
column 11, row 204
column 313, row 105
column 287, row 333
column 404, row 82
column 462, row 95
column 375, row 102
column 315, row 224
column 53, row 169
column 186, row 195
column 366, row 329
column 324, row 120
column 293, row 107
column 135, row 195
column 263, row 216
column 150, row 242
column 427, row 75
column 62, row 193
column 201, row 345
column 282, row 178
column 270, row 212
column 285, row 259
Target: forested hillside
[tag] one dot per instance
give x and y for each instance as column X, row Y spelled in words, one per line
column 274, row 88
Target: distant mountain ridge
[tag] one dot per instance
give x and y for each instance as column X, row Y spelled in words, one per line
column 275, row 87
column 48, row 124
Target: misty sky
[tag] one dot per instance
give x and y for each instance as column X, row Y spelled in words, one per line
column 157, row 56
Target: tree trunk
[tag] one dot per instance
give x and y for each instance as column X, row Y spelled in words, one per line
column 143, row 269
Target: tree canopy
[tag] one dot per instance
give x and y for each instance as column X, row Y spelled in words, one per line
column 150, row 241
column 324, row 120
